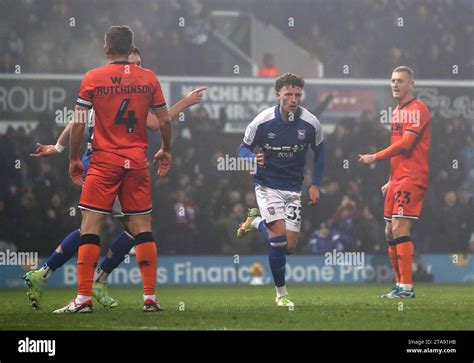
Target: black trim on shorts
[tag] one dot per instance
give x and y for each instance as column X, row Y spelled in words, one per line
column 133, row 212
column 85, row 206
column 409, row 216
column 90, row 239
column 143, row 238
column 402, row 239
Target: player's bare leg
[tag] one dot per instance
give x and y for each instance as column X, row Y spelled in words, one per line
column 146, row 255
column 292, row 241
column 88, row 255
column 401, row 228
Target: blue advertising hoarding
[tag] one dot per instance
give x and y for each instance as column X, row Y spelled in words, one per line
column 197, row 270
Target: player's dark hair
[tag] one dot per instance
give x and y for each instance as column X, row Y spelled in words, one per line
column 405, row 69
column 136, row 50
column 288, row 79
column 119, row 40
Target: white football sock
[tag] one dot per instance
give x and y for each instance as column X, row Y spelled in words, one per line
column 82, row 298
column 152, row 297
column 256, row 222
column 281, row 291
column 100, row 276
column 46, row 272
column 407, row 287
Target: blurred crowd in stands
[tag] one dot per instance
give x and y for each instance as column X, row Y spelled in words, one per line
column 197, row 208
column 370, row 36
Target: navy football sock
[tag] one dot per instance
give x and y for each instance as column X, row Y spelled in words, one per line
column 68, row 248
column 277, row 259
column 263, row 228
column 119, row 248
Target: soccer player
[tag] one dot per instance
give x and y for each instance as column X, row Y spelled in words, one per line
column 120, row 247
column 405, row 190
column 282, row 135
column 121, row 94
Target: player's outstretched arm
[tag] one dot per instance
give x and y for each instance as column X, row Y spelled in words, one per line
column 399, row 147
column 76, row 169
column 192, row 98
column 163, row 156
column 48, row 150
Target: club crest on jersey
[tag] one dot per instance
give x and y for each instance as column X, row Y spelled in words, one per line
column 271, row 135
column 271, row 210
column 301, row 134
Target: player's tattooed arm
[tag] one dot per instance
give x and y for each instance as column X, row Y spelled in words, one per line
column 192, row 98
column 163, row 156
column 76, row 169
column 48, row 150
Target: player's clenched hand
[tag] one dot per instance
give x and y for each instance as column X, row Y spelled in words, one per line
column 76, row 172
column 313, row 195
column 195, row 96
column 44, row 150
column 260, row 158
column 367, row 159
column 384, row 188
column 164, row 161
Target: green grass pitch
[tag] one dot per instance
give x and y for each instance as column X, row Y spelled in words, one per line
column 318, row 307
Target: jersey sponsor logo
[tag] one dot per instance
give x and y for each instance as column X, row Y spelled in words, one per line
column 301, row 134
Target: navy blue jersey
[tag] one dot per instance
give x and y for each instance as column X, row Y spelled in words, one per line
column 284, row 145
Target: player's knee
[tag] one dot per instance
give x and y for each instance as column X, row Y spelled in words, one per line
column 277, row 227
column 290, row 249
column 139, row 224
column 400, row 229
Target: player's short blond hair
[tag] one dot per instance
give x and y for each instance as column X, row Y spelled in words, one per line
column 405, row 69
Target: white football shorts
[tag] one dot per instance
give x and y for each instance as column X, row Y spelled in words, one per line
column 277, row 204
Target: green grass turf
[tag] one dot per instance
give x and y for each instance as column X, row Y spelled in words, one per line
column 318, row 307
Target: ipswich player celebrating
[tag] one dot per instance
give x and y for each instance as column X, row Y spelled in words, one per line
column 282, row 135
